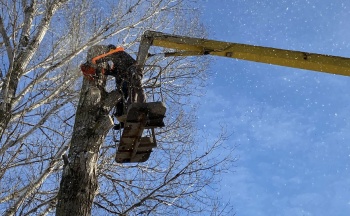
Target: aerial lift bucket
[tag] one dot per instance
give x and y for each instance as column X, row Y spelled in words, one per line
column 140, row 116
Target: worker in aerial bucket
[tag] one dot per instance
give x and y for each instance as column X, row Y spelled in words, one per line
column 127, row 77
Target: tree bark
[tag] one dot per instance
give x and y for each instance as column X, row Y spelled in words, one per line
column 92, row 123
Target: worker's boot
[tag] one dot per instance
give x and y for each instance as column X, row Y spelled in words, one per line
column 118, row 126
column 121, row 118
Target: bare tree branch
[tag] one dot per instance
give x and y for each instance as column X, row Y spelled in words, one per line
column 6, row 41
column 28, row 20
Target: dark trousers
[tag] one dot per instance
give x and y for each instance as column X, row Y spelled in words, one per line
column 124, row 88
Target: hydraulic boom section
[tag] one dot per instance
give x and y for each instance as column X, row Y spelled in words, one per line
column 189, row 46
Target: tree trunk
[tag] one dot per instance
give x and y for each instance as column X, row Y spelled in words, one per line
column 7, row 95
column 92, row 123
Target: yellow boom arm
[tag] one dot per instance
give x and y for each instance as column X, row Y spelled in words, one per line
column 189, row 46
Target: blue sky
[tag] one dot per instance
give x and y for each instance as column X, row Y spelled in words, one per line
column 291, row 127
